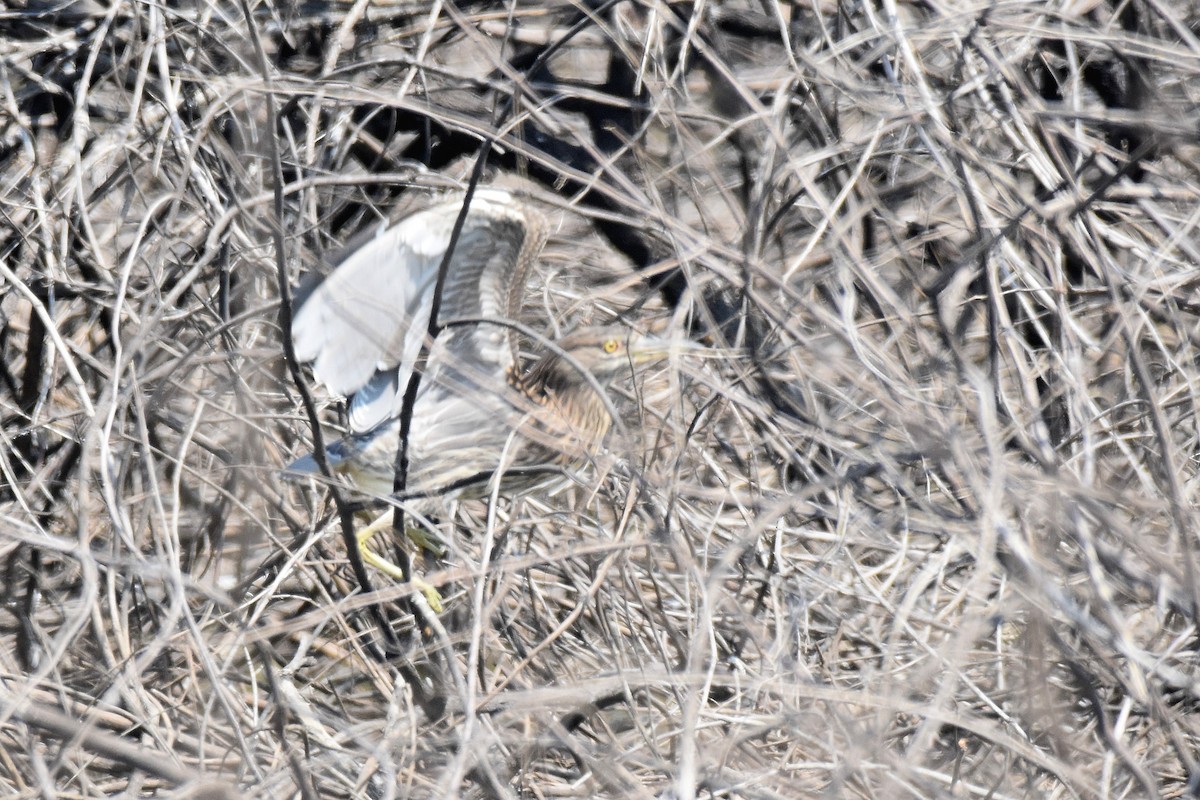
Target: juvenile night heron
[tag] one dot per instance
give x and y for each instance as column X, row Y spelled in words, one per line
column 478, row 414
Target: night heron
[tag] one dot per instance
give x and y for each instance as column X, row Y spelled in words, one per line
column 478, row 416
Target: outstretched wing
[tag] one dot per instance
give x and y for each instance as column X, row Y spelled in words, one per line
column 363, row 326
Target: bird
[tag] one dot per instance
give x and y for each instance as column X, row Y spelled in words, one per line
column 479, row 415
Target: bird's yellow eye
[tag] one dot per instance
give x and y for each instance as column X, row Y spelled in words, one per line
column 611, row 346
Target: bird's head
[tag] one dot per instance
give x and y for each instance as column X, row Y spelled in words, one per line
column 610, row 351
column 605, row 352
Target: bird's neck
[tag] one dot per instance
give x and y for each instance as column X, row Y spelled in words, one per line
column 571, row 399
column 551, row 375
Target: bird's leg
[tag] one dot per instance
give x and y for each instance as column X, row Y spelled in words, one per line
column 369, row 556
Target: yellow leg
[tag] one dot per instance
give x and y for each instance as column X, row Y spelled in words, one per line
column 380, row 563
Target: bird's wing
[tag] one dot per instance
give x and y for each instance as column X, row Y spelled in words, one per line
column 379, row 399
column 487, row 280
column 362, row 327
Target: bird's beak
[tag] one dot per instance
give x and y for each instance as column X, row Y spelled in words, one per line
column 644, row 348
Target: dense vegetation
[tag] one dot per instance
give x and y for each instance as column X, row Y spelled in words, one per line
column 917, row 520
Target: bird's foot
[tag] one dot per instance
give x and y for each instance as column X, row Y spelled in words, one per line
column 370, row 557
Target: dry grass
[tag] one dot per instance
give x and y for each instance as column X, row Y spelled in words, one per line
column 919, row 523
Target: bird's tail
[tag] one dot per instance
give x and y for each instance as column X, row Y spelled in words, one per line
column 367, row 459
column 306, row 465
